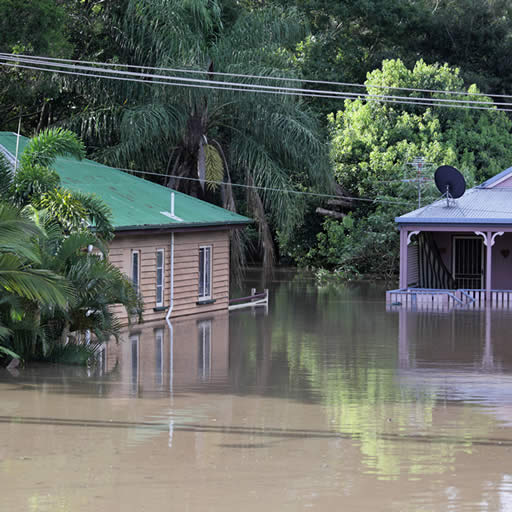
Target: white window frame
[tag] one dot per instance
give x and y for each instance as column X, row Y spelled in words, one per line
column 205, row 271
column 132, row 274
column 160, row 303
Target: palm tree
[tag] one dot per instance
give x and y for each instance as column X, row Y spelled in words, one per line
column 36, row 183
column 268, row 141
column 50, row 285
column 97, row 284
column 24, row 288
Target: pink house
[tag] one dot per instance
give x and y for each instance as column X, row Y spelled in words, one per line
column 458, row 252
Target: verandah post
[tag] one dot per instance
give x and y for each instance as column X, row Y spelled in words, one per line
column 403, row 257
column 488, row 270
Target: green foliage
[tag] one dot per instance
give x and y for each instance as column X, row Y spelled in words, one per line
column 52, row 287
column 214, row 166
column 373, row 142
column 5, row 178
column 266, row 140
column 36, row 183
column 66, row 208
column 366, row 246
column 31, row 182
column 38, row 23
column 48, row 145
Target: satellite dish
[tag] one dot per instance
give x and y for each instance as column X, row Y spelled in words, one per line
column 450, row 182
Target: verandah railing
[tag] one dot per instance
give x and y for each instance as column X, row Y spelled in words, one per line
column 435, row 299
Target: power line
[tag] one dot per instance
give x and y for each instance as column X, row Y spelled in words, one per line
column 242, row 185
column 240, row 87
column 328, row 96
column 300, row 192
column 39, row 60
column 291, row 191
column 263, row 77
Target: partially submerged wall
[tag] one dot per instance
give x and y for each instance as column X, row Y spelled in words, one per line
column 186, row 270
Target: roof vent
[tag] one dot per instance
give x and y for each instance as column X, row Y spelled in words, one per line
column 171, row 214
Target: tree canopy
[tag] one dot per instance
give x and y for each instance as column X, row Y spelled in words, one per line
column 205, row 141
column 372, row 144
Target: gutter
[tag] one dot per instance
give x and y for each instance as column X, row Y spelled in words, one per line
column 181, row 226
column 440, row 221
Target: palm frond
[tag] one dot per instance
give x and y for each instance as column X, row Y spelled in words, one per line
column 73, row 244
column 214, row 167
column 6, row 176
column 48, row 145
column 33, row 284
column 98, row 213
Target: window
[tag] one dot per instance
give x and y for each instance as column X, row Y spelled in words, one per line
column 135, row 273
column 160, row 262
column 205, row 272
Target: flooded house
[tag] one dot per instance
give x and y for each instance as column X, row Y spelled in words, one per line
column 457, row 252
column 174, row 247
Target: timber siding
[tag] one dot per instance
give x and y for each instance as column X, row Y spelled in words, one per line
column 186, row 270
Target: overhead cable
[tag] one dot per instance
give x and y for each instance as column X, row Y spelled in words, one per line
column 241, row 87
column 262, row 77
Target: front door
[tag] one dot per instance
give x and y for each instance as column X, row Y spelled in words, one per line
column 468, row 262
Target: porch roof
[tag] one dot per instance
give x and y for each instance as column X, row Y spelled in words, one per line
column 479, row 205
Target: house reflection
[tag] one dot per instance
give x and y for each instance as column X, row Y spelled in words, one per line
column 157, row 357
column 458, row 357
column 477, row 339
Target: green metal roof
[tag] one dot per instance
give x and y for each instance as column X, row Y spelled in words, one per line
column 136, row 203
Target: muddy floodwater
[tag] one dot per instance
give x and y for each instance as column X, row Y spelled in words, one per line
column 324, row 402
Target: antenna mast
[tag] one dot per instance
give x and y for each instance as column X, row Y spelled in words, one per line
column 420, row 167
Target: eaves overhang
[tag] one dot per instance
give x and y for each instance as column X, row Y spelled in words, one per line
column 184, row 226
column 452, row 222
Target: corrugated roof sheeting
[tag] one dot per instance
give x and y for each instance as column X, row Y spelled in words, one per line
column 478, row 205
column 135, row 202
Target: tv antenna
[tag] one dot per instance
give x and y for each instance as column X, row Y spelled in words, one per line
column 420, row 167
column 450, row 182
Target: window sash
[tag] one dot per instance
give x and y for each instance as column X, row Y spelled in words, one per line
column 136, row 270
column 160, row 263
column 205, row 272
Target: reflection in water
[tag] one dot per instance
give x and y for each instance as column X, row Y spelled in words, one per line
column 181, row 354
column 311, row 407
column 205, row 341
column 159, row 357
column 134, row 359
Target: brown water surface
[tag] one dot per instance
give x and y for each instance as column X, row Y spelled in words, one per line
column 326, row 402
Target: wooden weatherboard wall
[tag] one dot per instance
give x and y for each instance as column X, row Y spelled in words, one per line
column 186, row 270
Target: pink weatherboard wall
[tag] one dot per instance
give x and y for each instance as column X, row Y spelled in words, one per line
column 506, row 183
column 502, row 263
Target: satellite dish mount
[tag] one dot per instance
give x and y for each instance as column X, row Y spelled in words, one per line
column 450, row 182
